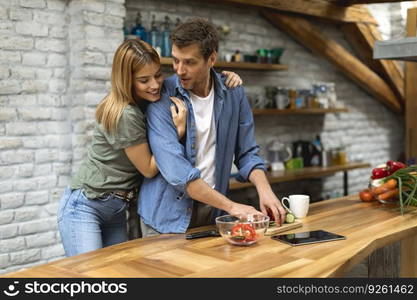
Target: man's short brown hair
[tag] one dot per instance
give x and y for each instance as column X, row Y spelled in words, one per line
column 197, row 31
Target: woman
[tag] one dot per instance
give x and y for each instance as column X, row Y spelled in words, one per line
column 92, row 212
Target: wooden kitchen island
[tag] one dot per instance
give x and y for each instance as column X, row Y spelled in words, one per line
column 367, row 226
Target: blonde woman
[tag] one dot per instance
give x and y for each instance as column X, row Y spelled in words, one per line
column 92, row 211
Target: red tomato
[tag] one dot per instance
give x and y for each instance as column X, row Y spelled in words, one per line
column 366, row 195
column 245, row 232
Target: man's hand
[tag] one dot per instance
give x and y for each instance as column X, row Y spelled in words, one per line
column 268, row 200
column 242, row 210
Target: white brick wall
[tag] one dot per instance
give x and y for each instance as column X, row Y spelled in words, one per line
column 55, row 62
column 42, row 63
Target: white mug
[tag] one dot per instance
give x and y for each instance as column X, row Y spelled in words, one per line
column 298, row 205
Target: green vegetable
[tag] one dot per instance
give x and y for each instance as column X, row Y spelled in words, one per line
column 407, row 184
column 289, row 218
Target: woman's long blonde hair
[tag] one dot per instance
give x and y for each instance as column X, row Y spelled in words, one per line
column 130, row 57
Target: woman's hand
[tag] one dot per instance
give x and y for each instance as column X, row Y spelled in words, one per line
column 179, row 115
column 233, row 80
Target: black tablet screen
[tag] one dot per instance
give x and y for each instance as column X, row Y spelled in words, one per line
column 308, row 237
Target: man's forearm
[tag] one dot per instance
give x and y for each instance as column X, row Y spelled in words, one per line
column 258, row 178
column 199, row 190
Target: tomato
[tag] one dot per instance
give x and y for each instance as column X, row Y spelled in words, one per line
column 378, row 173
column 366, row 195
column 243, row 232
column 270, row 215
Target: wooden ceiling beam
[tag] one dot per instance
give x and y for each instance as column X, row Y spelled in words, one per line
column 316, row 8
column 362, row 38
column 355, row 2
column 312, row 38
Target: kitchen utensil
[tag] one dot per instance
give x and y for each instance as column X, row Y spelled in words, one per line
column 284, row 227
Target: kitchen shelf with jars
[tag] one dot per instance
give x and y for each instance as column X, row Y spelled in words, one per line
column 319, row 99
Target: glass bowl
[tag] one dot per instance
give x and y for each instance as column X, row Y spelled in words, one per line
column 242, row 231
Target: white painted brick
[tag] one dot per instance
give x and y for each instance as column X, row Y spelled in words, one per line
column 36, row 198
column 60, row 73
column 6, row 27
column 33, row 3
column 40, row 240
column 20, row 14
column 5, row 187
column 31, row 28
column 43, row 73
column 6, row 217
column 34, row 86
column 10, row 143
column 58, row 5
column 24, row 214
column 54, row 45
column 114, row 22
column 61, row 169
column 53, row 127
column 47, row 181
column 41, row 170
column 65, row 156
column 15, row 42
column 10, row 87
column 21, row 100
column 46, row 155
column 25, row 170
column 3, row 13
column 26, row 256
column 12, row 245
column 50, row 209
column 4, row 261
column 19, row 156
column 115, row 9
column 94, row 31
column 10, row 56
column 101, row 73
column 7, row 114
column 58, row 32
column 93, row 18
column 24, row 185
column 7, row 172
column 51, row 252
column 23, row 72
column 50, row 100
column 11, row 200
column 34, row 59
column 8, row 231
column 56, row 60
column 58, row 86
column 96, row 58
column 49, row 17
column 4, row 72
column 102, row 45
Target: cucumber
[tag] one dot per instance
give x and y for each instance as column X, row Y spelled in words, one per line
column 289, row 218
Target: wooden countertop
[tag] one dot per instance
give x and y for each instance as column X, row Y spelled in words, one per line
column 303, row 173
column 367, row 226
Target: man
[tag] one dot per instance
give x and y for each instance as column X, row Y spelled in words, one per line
column 194, row 173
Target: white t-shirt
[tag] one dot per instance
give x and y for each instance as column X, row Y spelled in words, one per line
column 205, row 136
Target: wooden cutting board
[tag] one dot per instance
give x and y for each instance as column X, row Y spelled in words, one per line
column 286, row 226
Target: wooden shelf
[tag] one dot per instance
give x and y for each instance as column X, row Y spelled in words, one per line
column 298, row 174
column 298, row 111
column 238, row 65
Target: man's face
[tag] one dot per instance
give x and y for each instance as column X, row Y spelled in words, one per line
column 191, row 67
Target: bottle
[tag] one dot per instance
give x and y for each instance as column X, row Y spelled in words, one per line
column 155, row 36
column 317, row 151
column 138, row 30
column 166, row 41
column 178, row 22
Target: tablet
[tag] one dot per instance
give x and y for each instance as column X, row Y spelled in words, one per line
column 308, row 237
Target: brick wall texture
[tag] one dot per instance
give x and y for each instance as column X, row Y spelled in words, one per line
column 55, row 63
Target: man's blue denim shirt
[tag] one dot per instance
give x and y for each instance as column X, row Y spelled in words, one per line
column 163, row 201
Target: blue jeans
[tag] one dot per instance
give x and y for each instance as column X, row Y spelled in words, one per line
column 89, row 224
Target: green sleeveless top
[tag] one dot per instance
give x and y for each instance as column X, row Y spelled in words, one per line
column 107, row 167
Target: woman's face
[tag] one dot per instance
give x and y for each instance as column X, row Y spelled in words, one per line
column 147, row 82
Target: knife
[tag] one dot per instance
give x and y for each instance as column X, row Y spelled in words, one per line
column 202, row 234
